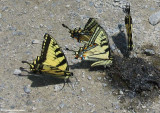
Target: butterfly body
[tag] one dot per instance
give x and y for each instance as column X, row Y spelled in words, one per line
column 85, row 34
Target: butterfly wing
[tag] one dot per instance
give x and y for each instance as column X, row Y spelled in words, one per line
column 128, row 24
column 98, row 38
column 52, row 54
column 91, row 25
column 100, row 53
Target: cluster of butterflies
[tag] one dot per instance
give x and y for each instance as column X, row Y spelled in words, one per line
column 96, row 48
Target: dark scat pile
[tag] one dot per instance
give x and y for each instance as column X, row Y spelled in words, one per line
column 135, row 73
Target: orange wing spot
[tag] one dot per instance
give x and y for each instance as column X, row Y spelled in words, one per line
column 84, row 55
column 94, row 44
column 90, row 46
column 85, row 48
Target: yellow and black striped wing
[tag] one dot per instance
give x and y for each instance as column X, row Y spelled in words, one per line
column 97, row 38
column 52, row 54
column 128, row 24
column 91, row 25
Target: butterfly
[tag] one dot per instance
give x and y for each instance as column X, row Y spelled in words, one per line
column 97, row 49
column 128, row 24
column 52, row 60
column 83, row 35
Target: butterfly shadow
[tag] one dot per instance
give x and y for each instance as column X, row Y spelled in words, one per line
column 121, row 42
column 87, row 65
column 39, row 80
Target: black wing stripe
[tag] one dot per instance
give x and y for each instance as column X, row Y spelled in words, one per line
column 60, row 55
column 45, row 47
column 106, row 43
column 62, row 63
column 107, row 50
column 58, row 49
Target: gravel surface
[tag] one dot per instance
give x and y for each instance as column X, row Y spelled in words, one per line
column 23, row 24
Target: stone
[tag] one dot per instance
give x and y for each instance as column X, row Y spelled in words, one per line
column 17, row 72
column 35, row 41
column 82, row 89
column 89, row 77
column 149, row 52
column 116, row 0
column 61, row 105
column 154, row 18
column 26, row 89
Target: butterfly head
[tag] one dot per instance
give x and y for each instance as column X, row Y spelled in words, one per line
column 32, row 66
column 76, row 33
column 127, row 9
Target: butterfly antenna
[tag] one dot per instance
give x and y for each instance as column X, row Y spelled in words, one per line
column 66, row 27
column 25, row 62
column 71, row 50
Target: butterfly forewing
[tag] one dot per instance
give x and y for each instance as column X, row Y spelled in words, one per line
column 91, row 25
column 52, row 54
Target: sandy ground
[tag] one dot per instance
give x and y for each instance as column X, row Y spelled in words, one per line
column 22, row 21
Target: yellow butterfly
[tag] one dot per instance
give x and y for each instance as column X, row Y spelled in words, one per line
column 83, row 34
column 52, row 60
column 128, row 24
column 97, row 49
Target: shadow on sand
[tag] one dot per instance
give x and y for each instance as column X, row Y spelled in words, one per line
column 39, row 80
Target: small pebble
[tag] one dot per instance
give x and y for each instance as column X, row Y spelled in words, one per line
column 99, row 78
column 4, row 8
column 56, row 88
column 26, row 89
column 35, row 41
column 11, row 28
column 113, row 47
column 17, row 33
column 104, row 84
column 91, row 3
column 83, row 75
column 116, row 0
column 154, row 18
column 61, row 105
column 67, row 6
column 82, row 89
column 149, row 52
column 17, row 72
column 89, row 77
column 78, row 0
column 121, row 92
column 41, row 25
column 143, row 107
